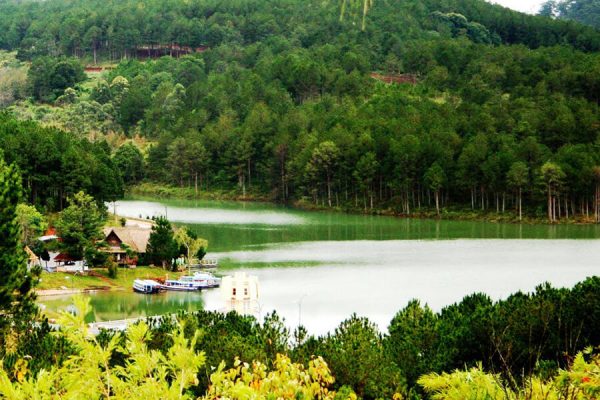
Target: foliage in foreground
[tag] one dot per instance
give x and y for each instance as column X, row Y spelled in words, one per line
column 580, row 382
column 90, row 372
column 123, row 366
column 286, row 381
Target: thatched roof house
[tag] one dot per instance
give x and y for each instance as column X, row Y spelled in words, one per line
column 123, row 241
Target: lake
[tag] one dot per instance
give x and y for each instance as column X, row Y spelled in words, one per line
column 317, row 268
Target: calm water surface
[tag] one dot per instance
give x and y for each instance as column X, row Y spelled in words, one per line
column 318, row 268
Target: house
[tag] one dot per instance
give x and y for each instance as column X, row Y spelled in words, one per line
column 63, row 262
column 125, row 244
column 240, row 293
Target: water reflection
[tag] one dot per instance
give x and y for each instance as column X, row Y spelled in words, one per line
column 109, row 306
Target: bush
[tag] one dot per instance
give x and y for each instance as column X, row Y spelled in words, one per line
column 113, row 268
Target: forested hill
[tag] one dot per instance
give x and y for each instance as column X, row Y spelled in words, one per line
column 584, row 11
column 115, row 29
column 500, row 109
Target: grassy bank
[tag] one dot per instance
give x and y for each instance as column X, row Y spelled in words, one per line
column 99, row 279
column 176, row 192
column 448, row 213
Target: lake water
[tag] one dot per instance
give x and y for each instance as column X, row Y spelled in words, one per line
column 318, row 268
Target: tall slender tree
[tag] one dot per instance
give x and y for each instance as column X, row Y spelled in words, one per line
column 17, row 300
column 517, row 177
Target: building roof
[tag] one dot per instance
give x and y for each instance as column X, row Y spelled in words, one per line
column 63, row 257
column 136, row 238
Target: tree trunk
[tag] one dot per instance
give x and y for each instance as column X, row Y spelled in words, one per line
column 437, row 202
column 249, row 174
column 328, row 190
column 549, row 204
column 520, row 209
column 482, row 199
column 472, row 198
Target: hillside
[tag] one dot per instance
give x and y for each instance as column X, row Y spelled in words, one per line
column 491, row 108
column 112, row 30
column 583, row 11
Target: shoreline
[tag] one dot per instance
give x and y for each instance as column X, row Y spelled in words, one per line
column 447, row 214
column 64, row 292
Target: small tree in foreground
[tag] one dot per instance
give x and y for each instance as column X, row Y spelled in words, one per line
column 580, row 381
column 287, row 380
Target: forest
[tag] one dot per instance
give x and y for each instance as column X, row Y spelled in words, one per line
column 498, row 112
column 584, row 11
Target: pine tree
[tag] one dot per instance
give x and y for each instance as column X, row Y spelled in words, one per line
column 17, row 299
column 161, row 245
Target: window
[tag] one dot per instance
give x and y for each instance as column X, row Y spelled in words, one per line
column 234, row 291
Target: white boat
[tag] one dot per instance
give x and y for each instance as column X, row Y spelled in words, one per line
column 209, row 279
column 146, row 286
column 189, row 283
column 184, row 284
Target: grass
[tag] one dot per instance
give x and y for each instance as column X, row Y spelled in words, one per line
column 165, row 191
column 61, row 280
column 124, row 279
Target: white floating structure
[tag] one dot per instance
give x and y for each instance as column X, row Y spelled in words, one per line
column 240, row 293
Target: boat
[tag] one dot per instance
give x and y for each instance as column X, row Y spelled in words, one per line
column 184, row 284
column 190, row 283
column 146, row 286
column 209, row 279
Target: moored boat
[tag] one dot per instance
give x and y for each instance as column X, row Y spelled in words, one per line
column 209, row 279
column 184, row 284
column 146, row 286
column 189, row 283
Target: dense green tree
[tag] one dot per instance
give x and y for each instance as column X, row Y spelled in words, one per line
column 413, row 341
column 552, row 177
column 357, row 358
column 322, row 165
column 56, row 164
column 31, row 222
column 17, row 299
column 162, row 247
column 48, row 77
column 129, row 161
column 80, row 227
